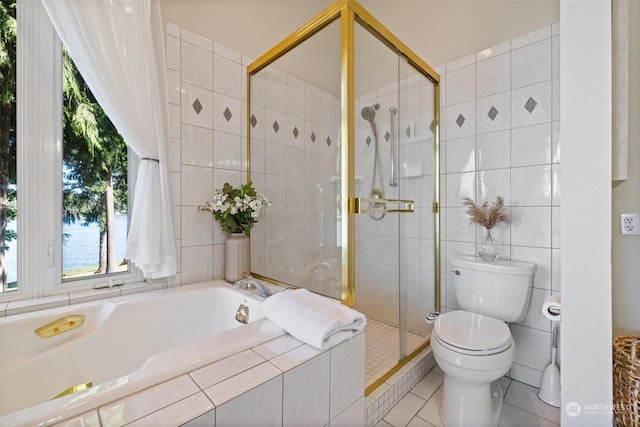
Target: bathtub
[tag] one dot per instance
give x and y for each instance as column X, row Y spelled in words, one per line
column 126, row 344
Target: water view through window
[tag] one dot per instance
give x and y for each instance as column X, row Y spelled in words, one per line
column 94, row 186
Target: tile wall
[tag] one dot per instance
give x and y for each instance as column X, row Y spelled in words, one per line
column 500, row 137
column 293, row 159
column 206, row 114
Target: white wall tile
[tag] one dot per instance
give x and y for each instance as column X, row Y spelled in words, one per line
column 133, row 407
column 227, row 150
column 352, row 416
column 347, row 374
column 531, row 226
column 497, row 106
column 531, row 64
column 196, row 263
column 461, row 155
column 189, row 113
column 494, row 74
column 493, row 150
column 259, row 406
column 196, row 66
column 496, row 50
column 175, row 145
column 193, row 223
column 196, row 40
column 494, row 183
column 227, row 77
column 460, row 63
column 173, row 53
column 196, row 185
column 173, row 85
column 89, row 419
column 461, row 85
column 178, row 413
column 555, row 142
column 531, row 186
column 461, row 120
column 174, row 120
column 531, row 37
column 221, row 370
column 302, row 404
column 460, row 185
column 220, row 104
column 541, row 94
column 531, row 145
column 197, row 146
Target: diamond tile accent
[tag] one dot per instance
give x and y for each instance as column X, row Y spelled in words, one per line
column 493, row 113
column 295, row 132
column 253, row 121
column 197, row 106
column 328, row 141
column 460, row 120
column 387, row 136
column 368, row 140
column 276, row 126
column 530, row 105
column 432, row 126
column 313, row 137
column 227, row 114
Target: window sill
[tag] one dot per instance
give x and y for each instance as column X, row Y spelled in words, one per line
column 11, row 308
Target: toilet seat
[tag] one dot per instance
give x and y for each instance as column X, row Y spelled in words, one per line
column 471, row 333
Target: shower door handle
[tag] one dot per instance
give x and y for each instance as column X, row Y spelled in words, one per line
column 367, row 205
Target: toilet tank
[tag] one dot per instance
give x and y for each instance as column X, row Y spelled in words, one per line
column 499, row 289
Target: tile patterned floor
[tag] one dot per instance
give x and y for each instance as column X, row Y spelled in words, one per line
column 420, row 407
column 382, row 348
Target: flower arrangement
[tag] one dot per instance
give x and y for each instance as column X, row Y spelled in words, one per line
column 485, row 215
column 237, row 209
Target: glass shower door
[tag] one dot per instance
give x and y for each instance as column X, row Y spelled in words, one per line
column 393, row 200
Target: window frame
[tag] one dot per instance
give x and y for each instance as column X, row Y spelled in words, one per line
column 39, row 163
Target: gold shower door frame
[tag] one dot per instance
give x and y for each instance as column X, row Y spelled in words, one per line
column 349, row 12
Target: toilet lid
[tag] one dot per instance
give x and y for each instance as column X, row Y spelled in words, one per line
column 472, row 331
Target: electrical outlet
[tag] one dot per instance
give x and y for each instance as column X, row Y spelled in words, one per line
column 630, row 224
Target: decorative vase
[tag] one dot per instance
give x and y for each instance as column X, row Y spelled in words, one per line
column 237, row 257
column 488, row 248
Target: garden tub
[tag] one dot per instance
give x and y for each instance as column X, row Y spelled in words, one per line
column 123, row 345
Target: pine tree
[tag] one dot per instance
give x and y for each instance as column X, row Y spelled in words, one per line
column 95, row 163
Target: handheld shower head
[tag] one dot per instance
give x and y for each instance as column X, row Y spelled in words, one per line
column 369, row 114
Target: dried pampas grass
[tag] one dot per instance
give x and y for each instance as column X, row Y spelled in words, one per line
column 485, row 215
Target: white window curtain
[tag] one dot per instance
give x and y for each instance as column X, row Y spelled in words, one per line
column 117, row 46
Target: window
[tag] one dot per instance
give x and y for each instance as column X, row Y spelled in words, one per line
column 68, row 163
column 94, row 184
column 8, row 244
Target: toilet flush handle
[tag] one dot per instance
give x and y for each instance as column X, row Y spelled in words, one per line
column 456, row 272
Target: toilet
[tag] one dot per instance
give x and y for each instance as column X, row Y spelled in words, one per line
column 473, row 346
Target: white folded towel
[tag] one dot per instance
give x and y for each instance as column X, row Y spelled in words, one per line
column 313, row 319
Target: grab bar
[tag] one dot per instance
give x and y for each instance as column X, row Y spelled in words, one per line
column 356, row 205
column 394, row 171
column 61, row 325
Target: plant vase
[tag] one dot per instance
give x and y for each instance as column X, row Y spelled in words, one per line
column 488, row 248
column 237, row 257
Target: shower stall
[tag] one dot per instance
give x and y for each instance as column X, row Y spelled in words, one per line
column 343, row 138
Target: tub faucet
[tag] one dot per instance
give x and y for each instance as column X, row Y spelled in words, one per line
column 250, row 283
